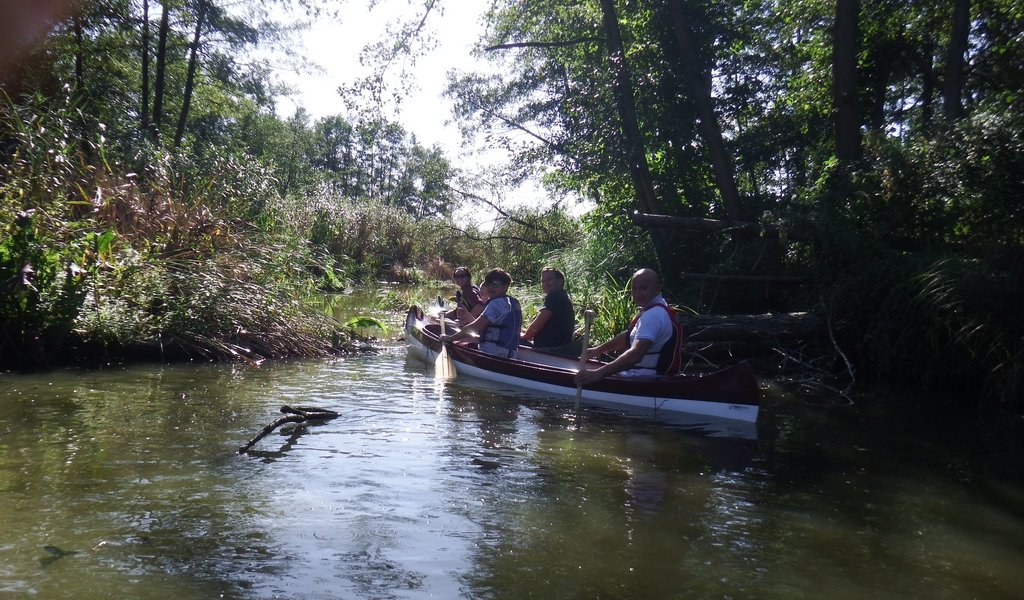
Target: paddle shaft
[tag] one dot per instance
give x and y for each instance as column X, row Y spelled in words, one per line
column 441, row 362
column 588, row 318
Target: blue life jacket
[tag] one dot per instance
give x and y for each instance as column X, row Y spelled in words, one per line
column 505, row 333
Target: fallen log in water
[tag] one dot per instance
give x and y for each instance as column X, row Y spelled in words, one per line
column 787, row 344
column 716, row 339
column 752, row 328
column 299, row 414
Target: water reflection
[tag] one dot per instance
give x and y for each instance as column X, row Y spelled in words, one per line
column 430, row 488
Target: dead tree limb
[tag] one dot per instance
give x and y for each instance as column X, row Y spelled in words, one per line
column 777, row 279
column 300, row 414
column 705, row 225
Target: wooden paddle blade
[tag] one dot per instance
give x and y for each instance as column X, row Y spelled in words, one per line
column 443, row 365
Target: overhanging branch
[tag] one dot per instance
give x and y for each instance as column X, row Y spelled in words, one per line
column 573, row 42
column 501, row 212
column 708, row 225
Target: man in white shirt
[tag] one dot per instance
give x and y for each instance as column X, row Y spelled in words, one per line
column 643, row 340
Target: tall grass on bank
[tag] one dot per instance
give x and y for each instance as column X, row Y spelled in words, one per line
column 365, row 240
column 946, row 325
column 95, row 262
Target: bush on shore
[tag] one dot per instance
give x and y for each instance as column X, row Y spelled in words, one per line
column 97, row 262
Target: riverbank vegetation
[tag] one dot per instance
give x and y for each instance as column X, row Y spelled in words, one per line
column 858, row 160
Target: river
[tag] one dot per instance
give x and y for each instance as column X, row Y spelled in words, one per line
column 123, row 482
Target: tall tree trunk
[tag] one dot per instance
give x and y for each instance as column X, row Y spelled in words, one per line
column 76, row 24
column 881, row 71
column 699, row 84
column 927, row 94
column 161, row 69
column 76, row 21
column 636, row 155
column 145, row 66
column 844, row 73
column 953, row 73
column 186, row 102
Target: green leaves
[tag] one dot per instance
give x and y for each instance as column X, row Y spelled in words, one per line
column 366, row 322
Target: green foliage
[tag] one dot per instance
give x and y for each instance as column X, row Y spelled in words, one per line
column 934, row 324
column 613, row 309
column 366, row 322
column 117, row 261
column 368, row 159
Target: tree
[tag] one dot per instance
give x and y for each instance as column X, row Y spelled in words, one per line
column 844, row 75
column 699, row 84
column 952, row 83
column 201, row 8
column 163, row 31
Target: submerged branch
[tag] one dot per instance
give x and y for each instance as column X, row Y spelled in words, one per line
column 299, row 414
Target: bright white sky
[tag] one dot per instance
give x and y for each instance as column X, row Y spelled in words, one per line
column 335, row 47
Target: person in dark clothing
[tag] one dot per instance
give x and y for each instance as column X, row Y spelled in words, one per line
column 553, row 326
column 468, row 304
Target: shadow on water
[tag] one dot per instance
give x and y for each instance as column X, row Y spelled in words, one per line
column 126, row 462
column 291, row 435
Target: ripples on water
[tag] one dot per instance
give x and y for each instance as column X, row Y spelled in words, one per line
column 425, row 488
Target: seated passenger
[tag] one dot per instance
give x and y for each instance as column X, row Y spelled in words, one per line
column 651, row 331
column 553, row 326
column 468, row 304
column 500, row 321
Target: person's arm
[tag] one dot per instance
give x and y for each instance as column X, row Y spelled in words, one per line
column 538, row 324
column 618, row 342
column 626, row 360
column 466, row 316
column 477, row 324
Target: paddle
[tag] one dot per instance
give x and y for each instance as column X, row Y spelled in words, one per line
column 588, row 318
column 443, row 366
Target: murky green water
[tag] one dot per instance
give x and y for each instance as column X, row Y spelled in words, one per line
column 428, row 489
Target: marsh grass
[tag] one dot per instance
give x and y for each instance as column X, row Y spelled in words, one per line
column 127, row 263
column 613, row 309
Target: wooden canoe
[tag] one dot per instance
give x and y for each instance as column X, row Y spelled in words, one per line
column 731, row 393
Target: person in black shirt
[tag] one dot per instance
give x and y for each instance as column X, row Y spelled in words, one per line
column 468, row 303
column 553, row 326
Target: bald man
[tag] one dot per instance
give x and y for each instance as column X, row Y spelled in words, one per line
column 643, row 341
